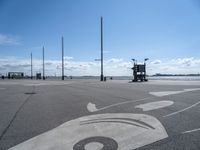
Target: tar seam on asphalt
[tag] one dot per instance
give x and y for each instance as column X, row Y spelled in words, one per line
column 15, row 115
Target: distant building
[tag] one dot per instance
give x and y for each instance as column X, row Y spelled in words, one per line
column 15, row 75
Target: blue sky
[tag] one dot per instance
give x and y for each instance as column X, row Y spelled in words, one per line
column 166, row 31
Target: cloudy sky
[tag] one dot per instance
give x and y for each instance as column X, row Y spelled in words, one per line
column 167, row 32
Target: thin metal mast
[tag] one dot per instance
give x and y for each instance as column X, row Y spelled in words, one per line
column 31, row 67
column 62, row 58
column 43, row 63
column 101, row 49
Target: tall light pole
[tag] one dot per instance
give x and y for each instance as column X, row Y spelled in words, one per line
column 31, row 67
column 101, row 49
column 146, row 59
column 62, row 58
column 43, row 63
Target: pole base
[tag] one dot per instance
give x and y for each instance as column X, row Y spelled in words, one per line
column 101, row 78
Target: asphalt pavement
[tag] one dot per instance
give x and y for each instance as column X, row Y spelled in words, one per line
column 94, row 115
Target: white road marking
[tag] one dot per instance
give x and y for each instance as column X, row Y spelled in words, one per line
column 91, row 107
column 47, row 83
column 165, row 93
column 182, row 110
column 154, row 105
column 190, row 131
column 194, row 89
column 129, row 131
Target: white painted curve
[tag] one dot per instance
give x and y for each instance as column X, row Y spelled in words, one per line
column 127, row 131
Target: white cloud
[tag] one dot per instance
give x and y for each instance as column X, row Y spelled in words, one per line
column 187, row 61
column 8, row 40
column 112, row 67
column 106, row 52
column 175, row 66
column 68, row 58
column 114, row 60
column 157, row 61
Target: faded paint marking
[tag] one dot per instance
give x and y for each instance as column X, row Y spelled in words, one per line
column 123, row 136
column 165, row 93
column 190, row 131
column 182, row 110
column 154, row 105
column 92, row 107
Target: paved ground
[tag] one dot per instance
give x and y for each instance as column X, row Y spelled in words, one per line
column 94, row 115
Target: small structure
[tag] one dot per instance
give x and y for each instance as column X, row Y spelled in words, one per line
column 2, row 76
column 15, row 75
column 139, row 71
column 38, row 76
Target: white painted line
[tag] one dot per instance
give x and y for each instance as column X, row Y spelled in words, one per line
column 46, row 84
column 166, row 93
column 154, row 105
column 124, row 131
column 190, row 131
column 92, row 107
column 182, row 110
column 194, row 89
